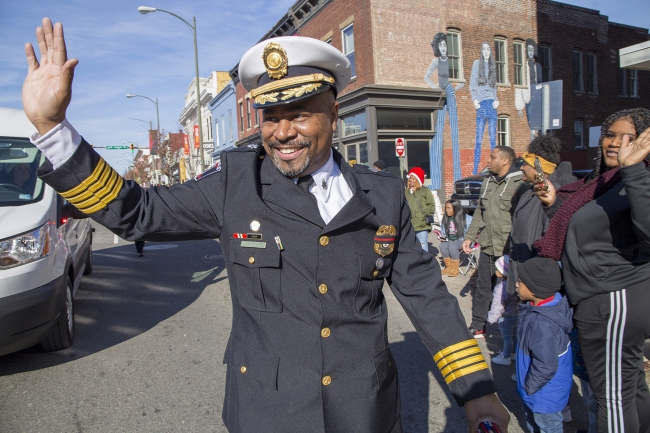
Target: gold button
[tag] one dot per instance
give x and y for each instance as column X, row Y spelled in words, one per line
column 251, row 260
column 374, row 274
column 325, row 332
column 327, row 380
column 322, row 289
column 243, row 369
column 324, row 240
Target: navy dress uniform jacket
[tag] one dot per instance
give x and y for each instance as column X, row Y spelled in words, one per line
column 308, row 350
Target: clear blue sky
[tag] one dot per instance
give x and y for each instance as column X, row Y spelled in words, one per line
column 121, row 51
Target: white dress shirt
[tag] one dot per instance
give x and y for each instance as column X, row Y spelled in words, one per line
column 330, row 188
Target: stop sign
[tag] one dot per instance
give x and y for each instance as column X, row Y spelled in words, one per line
column 399, row 146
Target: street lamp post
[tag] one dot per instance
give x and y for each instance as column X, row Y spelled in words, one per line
column 128, row 95
column 146, row 10
column 143, row 121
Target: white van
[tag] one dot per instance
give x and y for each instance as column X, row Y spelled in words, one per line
column 44, row 251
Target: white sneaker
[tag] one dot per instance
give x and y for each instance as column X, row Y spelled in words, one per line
column 514, row 377
column 566, row 415
column 502, row 360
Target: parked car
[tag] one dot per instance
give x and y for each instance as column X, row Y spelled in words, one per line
column 468, row 189
column 45, row 247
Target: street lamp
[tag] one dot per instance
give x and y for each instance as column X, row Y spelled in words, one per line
column 128, row 95
column 140, row 120
column 146, row 10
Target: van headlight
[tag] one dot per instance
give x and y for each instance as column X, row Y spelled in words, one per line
column 26, row 248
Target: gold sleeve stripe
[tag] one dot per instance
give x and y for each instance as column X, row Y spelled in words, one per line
column 97, row 172
column 465, row 371
column 458, row 355
column 97, row 190
column 455, row 347
column 459, row 365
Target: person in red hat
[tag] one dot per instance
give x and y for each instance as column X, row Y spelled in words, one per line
column 420, row 201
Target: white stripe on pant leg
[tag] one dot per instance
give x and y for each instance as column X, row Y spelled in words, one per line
column 608, row 364
column 619, row 378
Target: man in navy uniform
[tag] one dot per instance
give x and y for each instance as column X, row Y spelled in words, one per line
column 308, row 242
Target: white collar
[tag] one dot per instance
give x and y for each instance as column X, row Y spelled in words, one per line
column 323, row 177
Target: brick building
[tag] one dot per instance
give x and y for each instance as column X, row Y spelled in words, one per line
column 390, row 46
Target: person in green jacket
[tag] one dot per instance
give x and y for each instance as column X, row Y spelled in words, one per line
column 490, row 227
column 420, row 201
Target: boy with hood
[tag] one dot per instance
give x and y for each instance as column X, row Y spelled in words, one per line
column 544, row 362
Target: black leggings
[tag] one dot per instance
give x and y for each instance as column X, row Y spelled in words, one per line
column 612, row 328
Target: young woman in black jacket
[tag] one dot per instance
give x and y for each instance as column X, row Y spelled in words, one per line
column 600, row 230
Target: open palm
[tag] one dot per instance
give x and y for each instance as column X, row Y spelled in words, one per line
column 632, row 152
column 48, row 86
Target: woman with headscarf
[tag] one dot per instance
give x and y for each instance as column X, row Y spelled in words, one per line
column 420, row 201
column 600, row 229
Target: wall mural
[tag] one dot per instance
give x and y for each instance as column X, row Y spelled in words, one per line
column 440, row 63
column 483, row 86
column 533, row 73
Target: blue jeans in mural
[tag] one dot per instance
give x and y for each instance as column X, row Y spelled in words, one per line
column 485, row 113
column 436, row 145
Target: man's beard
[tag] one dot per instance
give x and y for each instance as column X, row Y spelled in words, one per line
column 287, row 168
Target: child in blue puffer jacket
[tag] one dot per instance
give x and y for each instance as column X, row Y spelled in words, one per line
column 544, row 363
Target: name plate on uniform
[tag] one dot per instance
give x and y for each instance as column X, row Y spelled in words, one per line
column 253, row 244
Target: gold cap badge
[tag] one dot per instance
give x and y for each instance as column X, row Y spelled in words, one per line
column 385, row 241
column 275, row 60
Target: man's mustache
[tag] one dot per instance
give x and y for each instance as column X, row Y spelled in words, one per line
column 277, row 144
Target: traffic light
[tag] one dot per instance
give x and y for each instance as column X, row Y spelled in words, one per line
column 132, row 147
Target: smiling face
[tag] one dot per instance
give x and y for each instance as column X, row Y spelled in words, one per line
column 449, row 210
column 298, row 137
column 529, row 172
column 485, row 51
column 442, row 46
column 612, row 140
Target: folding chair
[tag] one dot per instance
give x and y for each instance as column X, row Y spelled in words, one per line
column 472, row 259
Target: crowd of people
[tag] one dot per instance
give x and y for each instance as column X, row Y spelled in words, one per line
column 563, row 271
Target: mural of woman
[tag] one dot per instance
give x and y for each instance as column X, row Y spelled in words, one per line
column 533, row 72
column 483, row 86
column 441, row 63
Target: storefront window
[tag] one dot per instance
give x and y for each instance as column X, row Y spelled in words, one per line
column 357, row 153
column 354, row 124
column 417, row 155
column 404, row 119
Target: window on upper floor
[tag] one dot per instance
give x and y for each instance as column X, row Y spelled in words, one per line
column 591, row 83
column 454, row 55
column 208, row 125
column 633, row 83
column 248, row 114
column 232, row 130
column 503, row 130
column 348, row 47
column 241, row 116
column 579, row 134
column 501, row 60
column 518, row 55
column 545, row 61
column 577, row 71
column 223, row 129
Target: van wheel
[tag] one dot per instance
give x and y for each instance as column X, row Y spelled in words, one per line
column 89, row 261
column 62, row 335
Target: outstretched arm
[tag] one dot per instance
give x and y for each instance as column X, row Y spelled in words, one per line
column 47, row 89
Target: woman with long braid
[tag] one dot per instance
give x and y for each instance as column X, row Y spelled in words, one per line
column 600, row 229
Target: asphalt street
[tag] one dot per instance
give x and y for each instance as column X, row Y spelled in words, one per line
column 147, row 357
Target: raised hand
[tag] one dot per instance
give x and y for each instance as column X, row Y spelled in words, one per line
column 633, row 151
column 545, row 191
column 47, row 89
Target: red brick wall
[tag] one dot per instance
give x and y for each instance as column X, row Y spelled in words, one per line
column 241, row 93
column 565, row 29
column 329, row 19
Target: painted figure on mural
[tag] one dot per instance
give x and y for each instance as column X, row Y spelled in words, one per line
column 441, row 63
column 483, row 86
column 533, row 75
